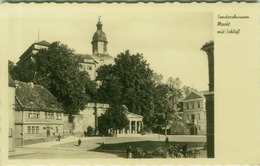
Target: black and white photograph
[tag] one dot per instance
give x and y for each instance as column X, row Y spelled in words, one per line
column 111, row 82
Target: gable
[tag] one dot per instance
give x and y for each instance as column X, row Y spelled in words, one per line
column 193, row 95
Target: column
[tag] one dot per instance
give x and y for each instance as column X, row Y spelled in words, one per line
column 142, row 125
column 130, row 127
column 135, row 127
column 139, row 126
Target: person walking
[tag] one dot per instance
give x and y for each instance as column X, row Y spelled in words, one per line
column 129, row 152
column 59, row 136
column 79, row 142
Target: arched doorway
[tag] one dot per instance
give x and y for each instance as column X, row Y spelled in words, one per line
column 193, row 130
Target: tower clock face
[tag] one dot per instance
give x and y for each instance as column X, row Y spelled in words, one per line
column 100, row 47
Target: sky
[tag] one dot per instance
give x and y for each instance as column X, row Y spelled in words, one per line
column 169, row 40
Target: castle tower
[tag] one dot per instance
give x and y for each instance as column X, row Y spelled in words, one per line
column 99, row 40
column 99, row 47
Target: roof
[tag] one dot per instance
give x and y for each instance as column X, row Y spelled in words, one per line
column 11, row 82
column 193, row 95
column 36, row 98
column 84, row 56
column 99, row 35
column 43, row 43
column 132, row 115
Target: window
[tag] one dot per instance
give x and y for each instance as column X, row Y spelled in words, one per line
column 49, row 115
column 37, row 129
column 198, row 104
column 38, row 115
column 198, row 115
column 192, row 104
column 29, row 130
column 192, row 116
column 187, row 105
column 34, row 115
column 57, row 115
column 45, row 115
column 57, row 129
column 33, row 129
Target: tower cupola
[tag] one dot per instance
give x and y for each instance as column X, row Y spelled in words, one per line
column 99, row 40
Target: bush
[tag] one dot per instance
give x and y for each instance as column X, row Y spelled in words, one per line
column 170, row 151
column 139, row 153
column 146, row 130
column 193, row 153
column 160, row 152
column 90, row 131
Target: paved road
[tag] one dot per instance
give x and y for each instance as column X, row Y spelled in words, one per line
column 68, row 148
column 44, row 153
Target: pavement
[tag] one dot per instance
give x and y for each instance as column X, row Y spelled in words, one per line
column 67, row 148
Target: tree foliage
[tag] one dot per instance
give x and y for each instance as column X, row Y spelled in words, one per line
column 114, row 119
column 57, row 69
column 128, row 82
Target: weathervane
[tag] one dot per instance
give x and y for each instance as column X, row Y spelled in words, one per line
column 99, row 18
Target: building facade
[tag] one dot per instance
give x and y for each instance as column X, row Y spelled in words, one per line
column 88, row 64
column 90, row 115
column 33, row 49
column 135, row 125
column 194, row 113
column 38, row 115
column 11, row 109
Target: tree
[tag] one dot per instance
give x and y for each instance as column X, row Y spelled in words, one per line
column 133, row 77
column 57, row 69
column 24, row 72
column 167, row 97
column 114, row 119
column 157, row 78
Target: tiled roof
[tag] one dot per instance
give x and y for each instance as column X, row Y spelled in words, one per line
column 36, row 98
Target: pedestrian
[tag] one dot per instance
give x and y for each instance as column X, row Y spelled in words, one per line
column 79, row 142
column 184, row 150
column 59, row 136
column 167, row 140
column 129, row 152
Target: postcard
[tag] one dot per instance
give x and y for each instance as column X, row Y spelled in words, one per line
column 130, row 83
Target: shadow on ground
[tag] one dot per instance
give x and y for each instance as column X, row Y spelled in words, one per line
column 120, row 148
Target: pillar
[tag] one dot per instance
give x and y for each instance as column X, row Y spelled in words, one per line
column 130, row 127
column 139, row 126
column 135, row 127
